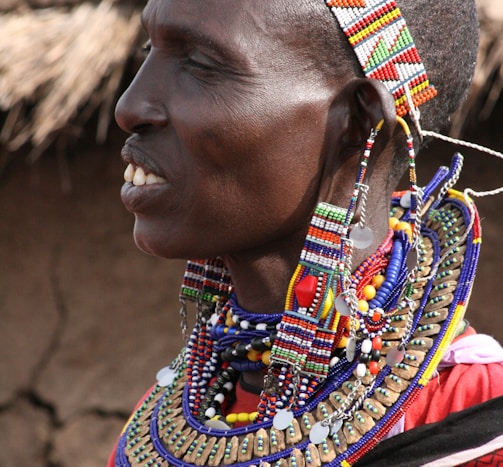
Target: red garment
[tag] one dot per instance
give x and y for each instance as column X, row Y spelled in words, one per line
column 455, row 389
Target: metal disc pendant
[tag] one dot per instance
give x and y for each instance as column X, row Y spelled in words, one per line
column 351, row 349
column 217, row 424
column 165, row 376
column 405, row 200
column 341, row 306
column 395, row 355
column 282, row 419
column 319, row 433
column 361, row 236
column 336, row 426
column 412, row 260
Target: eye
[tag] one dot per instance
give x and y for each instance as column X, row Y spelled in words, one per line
column 200, row 61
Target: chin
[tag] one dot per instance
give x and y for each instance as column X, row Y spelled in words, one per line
column 149, row 239
column 160, row 241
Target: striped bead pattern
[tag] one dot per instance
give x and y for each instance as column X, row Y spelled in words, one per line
column 385, row 49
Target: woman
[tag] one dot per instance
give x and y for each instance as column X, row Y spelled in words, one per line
column 253, row 125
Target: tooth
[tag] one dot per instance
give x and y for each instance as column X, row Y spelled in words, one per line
column 129, row 173
column 152, row 178
column 139, row 177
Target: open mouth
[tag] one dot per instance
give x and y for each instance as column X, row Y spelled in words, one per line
column 138, row 177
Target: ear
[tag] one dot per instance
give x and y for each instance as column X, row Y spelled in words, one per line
column 359, row 106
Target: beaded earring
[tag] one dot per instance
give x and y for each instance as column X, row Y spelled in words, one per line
column 205, row 282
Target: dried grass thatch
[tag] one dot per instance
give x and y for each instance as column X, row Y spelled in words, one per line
column 57, row 66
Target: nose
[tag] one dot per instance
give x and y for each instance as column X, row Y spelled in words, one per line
column 141, row 106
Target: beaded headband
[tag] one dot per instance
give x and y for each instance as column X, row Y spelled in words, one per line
column 385, row 49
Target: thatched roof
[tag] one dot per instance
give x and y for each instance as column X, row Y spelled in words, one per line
column 59, row 65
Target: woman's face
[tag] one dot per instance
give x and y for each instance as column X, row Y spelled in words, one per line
column 230, row 117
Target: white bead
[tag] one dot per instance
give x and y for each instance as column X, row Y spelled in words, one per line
column 361, row 370
column 210, row 412
column 334, row 361
column 214, row 319
column 228, row 386
column 261, row 326
column 220, row 398
column 244, row 324
column 367, row 346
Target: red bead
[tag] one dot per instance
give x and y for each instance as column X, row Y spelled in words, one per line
column 377, row 343
column 305, row 291
column 374, row 368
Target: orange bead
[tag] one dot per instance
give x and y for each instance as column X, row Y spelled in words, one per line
column 266, row 357
column 254, row 355
column 376, row 316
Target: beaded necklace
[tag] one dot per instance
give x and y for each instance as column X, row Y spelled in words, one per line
column 174, row 427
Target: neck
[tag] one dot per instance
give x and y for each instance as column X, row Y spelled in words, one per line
column 261, row 277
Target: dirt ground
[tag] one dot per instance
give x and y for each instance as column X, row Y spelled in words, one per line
column 86, row 319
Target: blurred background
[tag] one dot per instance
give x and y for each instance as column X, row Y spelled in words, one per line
column 86, row 319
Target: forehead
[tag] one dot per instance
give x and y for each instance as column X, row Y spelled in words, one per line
column 232, row 23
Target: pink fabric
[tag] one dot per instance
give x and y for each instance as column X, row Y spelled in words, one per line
column 476, row 348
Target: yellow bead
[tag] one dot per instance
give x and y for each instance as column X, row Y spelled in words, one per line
column 254, row 355
column 243, row 417
column 252, row 416
column 229, row 322
column 266, row 357
column 403, row 226
column 328, row 305
column 393, row 221
column 369, row 292
column 363, row 306
column 378, row 280
column 342, row 343
column 231, row 418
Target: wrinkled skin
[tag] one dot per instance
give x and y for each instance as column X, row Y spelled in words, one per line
column 249, row 135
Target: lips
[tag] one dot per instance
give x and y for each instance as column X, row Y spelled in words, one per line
column 143, row 187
